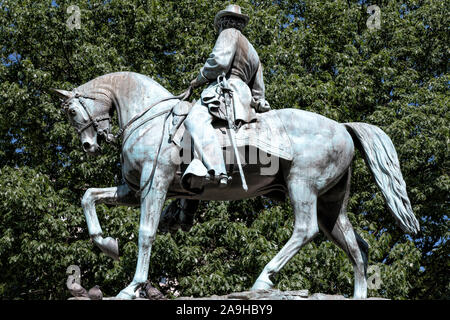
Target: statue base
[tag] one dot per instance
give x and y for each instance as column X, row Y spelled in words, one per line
column 253, row 295
column 274, row 294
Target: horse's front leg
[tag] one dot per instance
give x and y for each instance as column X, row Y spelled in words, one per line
column 121, row 195
column 152, row 200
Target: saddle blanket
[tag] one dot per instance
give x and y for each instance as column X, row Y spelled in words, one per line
column 267, row 133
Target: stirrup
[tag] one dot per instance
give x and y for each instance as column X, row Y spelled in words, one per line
column 221, row 179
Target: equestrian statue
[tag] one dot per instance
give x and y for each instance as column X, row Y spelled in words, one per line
column 229, row 145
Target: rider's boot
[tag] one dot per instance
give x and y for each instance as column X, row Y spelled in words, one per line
column 222, row 179
column 206, row 143
column 223, row 182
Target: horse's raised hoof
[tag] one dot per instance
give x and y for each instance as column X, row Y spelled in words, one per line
column 109, row 246
column 262, row 285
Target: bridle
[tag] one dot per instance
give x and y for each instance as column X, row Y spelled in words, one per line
column 94, row 121
column 111, row 138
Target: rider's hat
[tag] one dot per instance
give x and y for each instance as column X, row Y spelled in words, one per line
column 231, row 10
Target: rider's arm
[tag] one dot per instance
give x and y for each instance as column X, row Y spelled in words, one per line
column 258, row 91
column 221, row 58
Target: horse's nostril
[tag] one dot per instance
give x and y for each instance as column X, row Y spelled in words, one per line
column 86, row 146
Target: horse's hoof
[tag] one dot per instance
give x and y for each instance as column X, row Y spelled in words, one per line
column 359, row 297
column 262, row 285
column 110, row 247
column 125, row 294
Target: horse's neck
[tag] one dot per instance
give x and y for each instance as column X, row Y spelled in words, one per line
column 133, row 93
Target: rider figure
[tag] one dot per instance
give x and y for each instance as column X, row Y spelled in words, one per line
column 234, row 56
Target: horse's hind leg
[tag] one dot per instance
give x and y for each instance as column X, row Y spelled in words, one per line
column 120, row 195
column 333, row 221
column 304, row 203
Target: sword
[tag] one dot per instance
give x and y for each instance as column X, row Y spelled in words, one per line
column 228, row 93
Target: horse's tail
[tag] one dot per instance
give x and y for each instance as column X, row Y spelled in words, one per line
column 381, row 157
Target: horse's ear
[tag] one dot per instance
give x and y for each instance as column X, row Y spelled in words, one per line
column 63, row 93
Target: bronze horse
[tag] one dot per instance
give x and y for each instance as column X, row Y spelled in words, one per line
column 317, row 179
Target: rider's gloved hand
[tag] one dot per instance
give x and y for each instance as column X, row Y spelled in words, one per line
column 194, row 83
column 261, row 105
column 200, row 80
column 264, row 105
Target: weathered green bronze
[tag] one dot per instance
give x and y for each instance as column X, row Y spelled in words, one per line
column 313, row 167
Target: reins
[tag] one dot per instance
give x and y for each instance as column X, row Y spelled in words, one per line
column 183, row 97
column 94, row 122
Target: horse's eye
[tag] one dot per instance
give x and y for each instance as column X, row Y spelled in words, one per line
column 72, row 112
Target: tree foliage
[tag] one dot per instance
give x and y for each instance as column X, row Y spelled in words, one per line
column 318, row 56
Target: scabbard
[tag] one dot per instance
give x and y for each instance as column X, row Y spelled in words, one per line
column 232, row 132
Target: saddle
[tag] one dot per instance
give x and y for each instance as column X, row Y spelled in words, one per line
column 266, row 134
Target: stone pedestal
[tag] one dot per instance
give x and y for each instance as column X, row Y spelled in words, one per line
column 258, row 295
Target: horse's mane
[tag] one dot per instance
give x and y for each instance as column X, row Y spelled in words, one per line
column 103, row 87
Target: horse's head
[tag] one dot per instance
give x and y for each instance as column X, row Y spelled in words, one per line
column 89, row 117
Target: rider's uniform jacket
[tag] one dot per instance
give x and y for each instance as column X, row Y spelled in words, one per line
column 234, row 55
